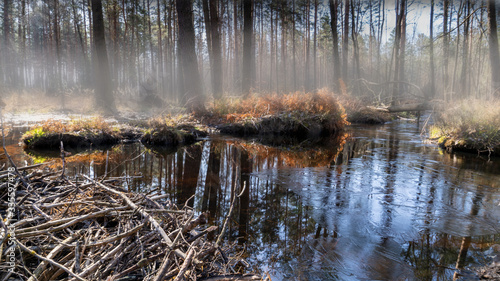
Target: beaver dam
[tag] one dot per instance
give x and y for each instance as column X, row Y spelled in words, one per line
column 55, row 227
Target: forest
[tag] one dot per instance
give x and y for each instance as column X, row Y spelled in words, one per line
column 188, row 52
column 249, row 140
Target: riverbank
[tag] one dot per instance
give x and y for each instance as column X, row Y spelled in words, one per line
column 469, row 126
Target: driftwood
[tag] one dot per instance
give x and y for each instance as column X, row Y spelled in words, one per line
column 94, row 230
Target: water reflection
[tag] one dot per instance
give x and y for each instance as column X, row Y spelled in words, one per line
column 380, row 205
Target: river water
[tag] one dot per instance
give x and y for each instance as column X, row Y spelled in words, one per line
column 376, row 204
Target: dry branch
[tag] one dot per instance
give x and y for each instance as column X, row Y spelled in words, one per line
column 92, row 230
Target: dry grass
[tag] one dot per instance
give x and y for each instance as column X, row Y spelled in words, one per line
column 95, row 124
column 75, row 132
column 470, row 124
column 321, row 103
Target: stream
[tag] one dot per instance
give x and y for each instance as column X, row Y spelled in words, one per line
column 381, row 203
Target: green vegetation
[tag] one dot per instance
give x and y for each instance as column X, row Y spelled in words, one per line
column 472, row 125
column 77, row 133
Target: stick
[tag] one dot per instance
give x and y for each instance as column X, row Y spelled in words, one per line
column 63, row 160
column 26, row 249
column 41, row 267
column 187, row 262
column 153, row 221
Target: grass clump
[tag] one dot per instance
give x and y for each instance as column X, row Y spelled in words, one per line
column 471, row 125
column 294, row 114
column 77, row 133
column 171, row 131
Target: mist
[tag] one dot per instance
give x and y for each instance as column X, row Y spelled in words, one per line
column 49, row 49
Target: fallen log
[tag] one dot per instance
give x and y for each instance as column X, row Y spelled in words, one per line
column 406, row 107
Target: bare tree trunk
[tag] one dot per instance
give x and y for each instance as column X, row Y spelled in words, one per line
column 236, row 68
column 446, row 48
column 336, row 57
column 431, row 49
column 103, row 92
column 355, row 45
column 216, row 50
column 315, row 45
column 283, row 44
column 345, row 40
column 22, row 42
column 6, row 49
column 160, row 46
column 192, row 95
column 464, row 77
column 494, row 53
column 307, row 77
column 248, row 49
column 294, row 48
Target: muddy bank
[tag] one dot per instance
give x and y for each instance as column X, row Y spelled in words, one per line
column 469, row 145
column 284, row 126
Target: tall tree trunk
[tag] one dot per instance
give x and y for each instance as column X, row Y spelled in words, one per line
column 159, row 61
column 431, row 49
column 355, row 45
column 6, row 49
column 494, row 53
column 216, row 50
column 334, row 4
column 307, row 76
column 399, row 44
column 103, row 91
column 345, row 40
column 22, row 42
column 236, row 67
column 192, row 95
column 294, row 59
column 248, row 50
column 283, row 44
column 446, row 48
column 464, row 77
column 315, row 45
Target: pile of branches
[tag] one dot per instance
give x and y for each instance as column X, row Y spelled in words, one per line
column 80, row 228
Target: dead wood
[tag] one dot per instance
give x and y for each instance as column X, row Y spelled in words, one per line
column 95, row 230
